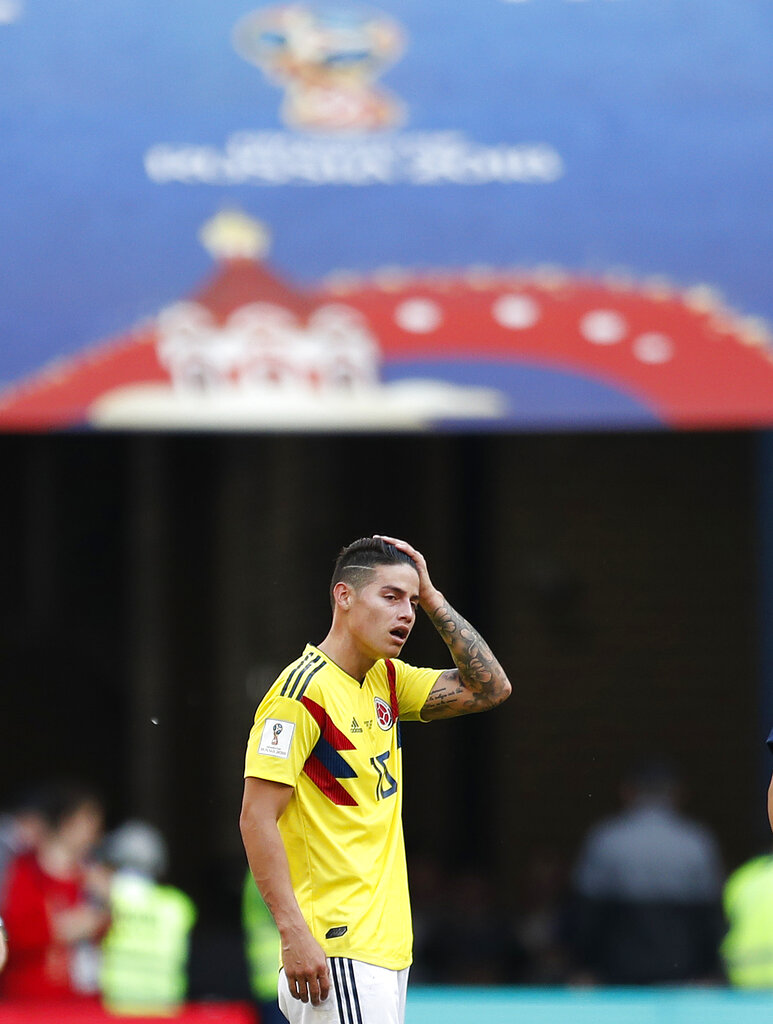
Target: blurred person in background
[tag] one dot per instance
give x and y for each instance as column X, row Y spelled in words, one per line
column 648, row 887
column 747, row 949
column 540, row 922
column 146, row 951
column 261, row 947
column 48, row 908
column 21, row 828
column 429, row 883
column 475, row 944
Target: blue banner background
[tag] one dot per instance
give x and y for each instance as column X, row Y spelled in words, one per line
column 658, row 109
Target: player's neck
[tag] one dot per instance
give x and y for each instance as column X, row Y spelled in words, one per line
column 340, row 648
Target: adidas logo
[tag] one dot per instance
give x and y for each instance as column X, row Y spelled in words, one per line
column 355, row 727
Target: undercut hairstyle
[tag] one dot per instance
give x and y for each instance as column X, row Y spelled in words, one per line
column 356, row 562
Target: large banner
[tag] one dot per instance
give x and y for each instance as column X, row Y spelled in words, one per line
column 512, row 214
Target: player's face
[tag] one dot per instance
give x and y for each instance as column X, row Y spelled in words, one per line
column 382, row 613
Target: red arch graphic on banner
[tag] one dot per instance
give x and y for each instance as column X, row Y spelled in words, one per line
column 680, row 353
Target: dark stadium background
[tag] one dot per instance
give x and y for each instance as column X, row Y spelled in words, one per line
column 153, row 587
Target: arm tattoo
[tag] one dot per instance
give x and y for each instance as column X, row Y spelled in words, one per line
column 479, row 682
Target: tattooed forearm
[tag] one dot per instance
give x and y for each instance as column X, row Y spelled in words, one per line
column 472, row 655
column 479, row 682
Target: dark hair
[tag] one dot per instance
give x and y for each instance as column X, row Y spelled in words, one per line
column 61, row 799
column 31, row 800
column 356, row 561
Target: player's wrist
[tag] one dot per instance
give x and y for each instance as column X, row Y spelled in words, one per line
column 432, row 601
column 292, row 927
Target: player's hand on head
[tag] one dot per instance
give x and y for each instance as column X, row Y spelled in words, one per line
column 417, row 557
column 427, row 590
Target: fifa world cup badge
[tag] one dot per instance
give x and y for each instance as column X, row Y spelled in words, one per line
column 276, row 738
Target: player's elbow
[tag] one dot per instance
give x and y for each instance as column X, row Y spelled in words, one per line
column 249, row 818
column 505, row 689
column 263, row 804
column 246, row 823
column 499, row 691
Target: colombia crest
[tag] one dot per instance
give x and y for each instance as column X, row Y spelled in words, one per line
column 384, row 715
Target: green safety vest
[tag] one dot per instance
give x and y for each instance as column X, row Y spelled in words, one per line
column 262, row 944
column 145, row 952
column 747, row 949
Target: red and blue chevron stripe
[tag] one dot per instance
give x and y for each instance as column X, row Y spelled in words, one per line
column 325, row 766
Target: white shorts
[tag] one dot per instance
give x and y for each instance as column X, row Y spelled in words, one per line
column 359, row 994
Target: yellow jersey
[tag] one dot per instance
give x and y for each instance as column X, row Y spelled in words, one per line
column 336, row 741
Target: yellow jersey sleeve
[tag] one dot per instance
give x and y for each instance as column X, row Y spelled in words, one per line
column 281, row 739
column 413, row 687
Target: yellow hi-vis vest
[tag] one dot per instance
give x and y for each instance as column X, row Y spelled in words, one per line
column 262, row 944
column 747, row 949
column 145, row 952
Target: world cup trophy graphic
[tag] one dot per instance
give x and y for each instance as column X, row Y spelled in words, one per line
column 327, row 59
column 277, row 731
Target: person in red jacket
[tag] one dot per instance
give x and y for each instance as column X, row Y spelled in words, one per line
column 48, row 910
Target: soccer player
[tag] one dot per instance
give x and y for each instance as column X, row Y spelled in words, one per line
column 321, row 819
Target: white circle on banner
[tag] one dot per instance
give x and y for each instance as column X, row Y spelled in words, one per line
column 653, row 348
column 603, row 327
column 515, row 311
column 419, row 316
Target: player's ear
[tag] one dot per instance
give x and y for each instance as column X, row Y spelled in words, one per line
column 342, row 595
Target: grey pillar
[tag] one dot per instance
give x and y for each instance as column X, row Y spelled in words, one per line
column 258, row 522
column 149, row 670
